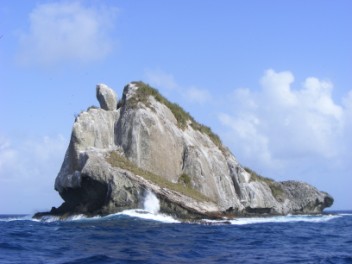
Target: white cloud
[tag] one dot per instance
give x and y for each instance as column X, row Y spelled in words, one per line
column 277, row 87
column 347, row 101
column 27, row 173
column 317, row 95
column 279, row 125
column 66, row 31
column 246, row 136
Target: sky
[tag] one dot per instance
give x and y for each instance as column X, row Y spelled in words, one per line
column 272, row 78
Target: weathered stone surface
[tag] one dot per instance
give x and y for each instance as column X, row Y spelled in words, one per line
column 146, row 132
column 304, row 198
column 93, row 129
column 107, row 97
column 151, row 140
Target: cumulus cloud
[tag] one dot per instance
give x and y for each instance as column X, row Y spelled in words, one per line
column 249, row 141
column 66, row 31
column 27, row 172
column 277, row 86
column 282, row 124
column 168, row 83
column 347, row 101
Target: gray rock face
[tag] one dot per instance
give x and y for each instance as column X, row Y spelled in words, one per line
column 115, row 156
column 107, row 97
column 93, row 129
column 303, row 198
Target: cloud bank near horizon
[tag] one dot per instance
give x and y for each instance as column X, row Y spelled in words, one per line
column 30, row 166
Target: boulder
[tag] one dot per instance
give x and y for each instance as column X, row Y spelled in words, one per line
column 107, row 97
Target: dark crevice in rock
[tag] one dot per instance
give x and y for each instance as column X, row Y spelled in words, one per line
column 328, row 200
column 88, row 199
column 184, row 157
column 233, row 173
column 258, row 210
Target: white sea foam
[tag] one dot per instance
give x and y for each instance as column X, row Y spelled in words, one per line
column 46, row 219
column 143, row 214
column 277, row 219
column 150, row 211
column 151, row 202
column 78, row 217
column 81, row 217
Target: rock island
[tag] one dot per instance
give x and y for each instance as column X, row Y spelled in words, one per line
column 144, row 143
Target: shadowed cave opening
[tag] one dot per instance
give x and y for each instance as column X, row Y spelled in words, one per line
column 87, row 199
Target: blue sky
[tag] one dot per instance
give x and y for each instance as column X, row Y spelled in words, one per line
column 272, row 78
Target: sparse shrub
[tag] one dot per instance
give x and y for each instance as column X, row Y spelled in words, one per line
column 185, row 179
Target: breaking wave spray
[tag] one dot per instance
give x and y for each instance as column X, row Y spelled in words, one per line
column 151, row 202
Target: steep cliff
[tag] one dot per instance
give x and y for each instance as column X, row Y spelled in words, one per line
column 143, row 142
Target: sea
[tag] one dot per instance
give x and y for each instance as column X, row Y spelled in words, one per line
column 147, row 236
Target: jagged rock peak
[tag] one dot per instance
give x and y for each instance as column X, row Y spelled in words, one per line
column 107, row 97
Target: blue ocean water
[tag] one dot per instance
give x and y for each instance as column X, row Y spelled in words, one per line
column 136, row 236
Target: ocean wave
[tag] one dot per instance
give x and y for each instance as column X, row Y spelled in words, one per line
column 5, row 218
column 138, row 213
column 143, row 214
column 345, row 214
column 147, row 215
column 99, row 258
column 275, row 219
column 164, row 218
column 78, row 217
column 11, row 246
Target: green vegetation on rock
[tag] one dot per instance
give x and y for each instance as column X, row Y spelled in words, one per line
column 182, row 117
column 119, row 161
column 185, row 179
column 275, row 187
